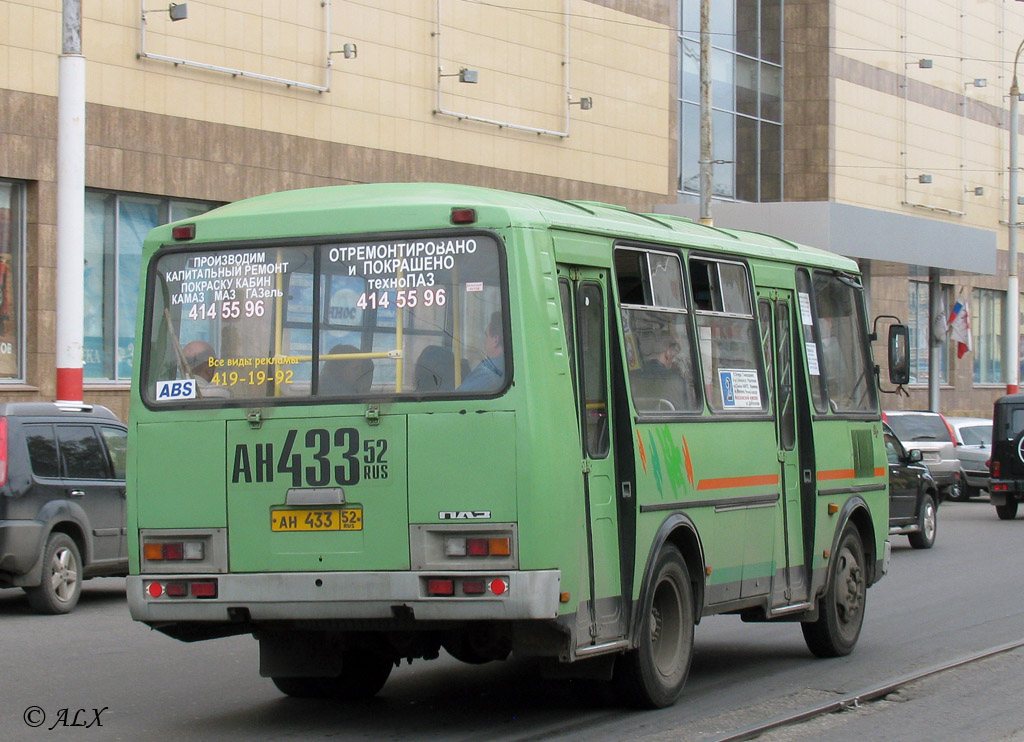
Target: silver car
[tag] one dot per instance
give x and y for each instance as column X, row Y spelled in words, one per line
column 932, row 434
column 974, row 449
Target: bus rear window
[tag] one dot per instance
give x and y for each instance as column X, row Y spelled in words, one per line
column 421, row 316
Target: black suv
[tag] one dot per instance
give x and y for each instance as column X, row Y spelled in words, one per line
column 1006, row 486
column 62, row 500
column 913, row 494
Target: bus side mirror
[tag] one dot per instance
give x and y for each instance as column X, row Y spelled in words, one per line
column 899, row 355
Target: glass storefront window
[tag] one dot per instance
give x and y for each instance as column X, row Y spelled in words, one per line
column 986, row 317
column 746, row 63
column 115, row 227
column 921, row 328
column 12, row 251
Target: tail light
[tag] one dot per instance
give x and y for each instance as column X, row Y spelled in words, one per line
column 3, row 451
column 172, row 551
column 995, row 468
column 205, row 588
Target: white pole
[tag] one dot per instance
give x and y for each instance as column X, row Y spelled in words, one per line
column 1012, row 324
column 70, row 206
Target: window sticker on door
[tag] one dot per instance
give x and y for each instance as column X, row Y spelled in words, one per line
column 739, row 388
column 178, row 389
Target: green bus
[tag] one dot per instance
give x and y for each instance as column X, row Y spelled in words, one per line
column 374, row 421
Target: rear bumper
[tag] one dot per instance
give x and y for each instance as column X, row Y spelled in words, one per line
column 345, row 595
column 1002, row 491
column 977, row 479
column 20, row 546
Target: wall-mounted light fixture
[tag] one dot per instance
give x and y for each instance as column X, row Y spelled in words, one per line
column 976, row 190
column 922, row 178
column 465, row 75
column 925, row 64
column 351, row 51
column 176, row 11
column 978, row 82
column 585, row 104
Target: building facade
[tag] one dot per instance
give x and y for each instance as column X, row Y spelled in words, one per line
column 895, row 151
column 876, row 129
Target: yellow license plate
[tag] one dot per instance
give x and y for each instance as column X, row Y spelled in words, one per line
column 317, row 519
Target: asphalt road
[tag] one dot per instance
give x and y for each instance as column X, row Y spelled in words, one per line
column 964, row 595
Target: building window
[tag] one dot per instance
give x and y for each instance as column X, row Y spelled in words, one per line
column 12, row 251
column 746, row 116
column 115, row 226
column 986, row 315
column 923, row 327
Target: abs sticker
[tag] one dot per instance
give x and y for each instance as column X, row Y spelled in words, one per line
column 180, row 389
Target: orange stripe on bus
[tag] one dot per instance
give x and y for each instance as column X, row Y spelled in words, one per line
column 824, row 476
column 836, row 474
column 726, row 482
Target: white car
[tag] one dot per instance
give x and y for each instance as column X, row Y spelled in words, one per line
column 932, row 434
column 974, row 448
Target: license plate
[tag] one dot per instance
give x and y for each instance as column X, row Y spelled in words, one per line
column 317, row 519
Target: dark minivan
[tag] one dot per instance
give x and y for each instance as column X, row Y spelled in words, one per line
column 62, row 500
column 1006, row 467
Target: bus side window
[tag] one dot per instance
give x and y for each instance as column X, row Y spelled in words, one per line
column 727, row 336
column 656, row 331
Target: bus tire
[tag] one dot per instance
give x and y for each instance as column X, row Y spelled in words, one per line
column 1007, row 511
column 841, row 608
column 653, row 674
column 61, row 584
column 362, row 675
column 929, row 524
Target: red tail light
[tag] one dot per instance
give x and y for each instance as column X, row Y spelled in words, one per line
column 3, row 451
column 996, row 468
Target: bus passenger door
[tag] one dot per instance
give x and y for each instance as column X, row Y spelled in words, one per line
column 584, row 296
column 776, row 314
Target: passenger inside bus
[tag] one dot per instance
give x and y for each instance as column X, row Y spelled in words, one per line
column 489, row 374
column 659, row 384
column 198, row 355
column 341, row 376
column 435, row 370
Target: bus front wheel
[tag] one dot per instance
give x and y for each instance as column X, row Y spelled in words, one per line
column 362, row 675
column 841, row 608
column 653, row 674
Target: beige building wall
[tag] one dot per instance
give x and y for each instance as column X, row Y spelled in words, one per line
column 153, row 127
column 893, row 120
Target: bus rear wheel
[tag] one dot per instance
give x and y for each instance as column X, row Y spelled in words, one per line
column 653, row 674
column 362, row 675
column 841, row 608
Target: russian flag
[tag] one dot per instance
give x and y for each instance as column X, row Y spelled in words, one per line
column 960, row 327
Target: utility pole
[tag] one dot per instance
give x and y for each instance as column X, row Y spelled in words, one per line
column 70, row 205
column 705, row 113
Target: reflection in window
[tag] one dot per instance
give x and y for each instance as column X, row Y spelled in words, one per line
column 843, row 357
column 42, row 450
column 12, row 229
column 986, row 312
column 727, row 336
column 81, row 453
column 922, row 326
column 117, row 446
column 115, row 227
column 656, row 328
column 747, row 98
column 422, row 317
